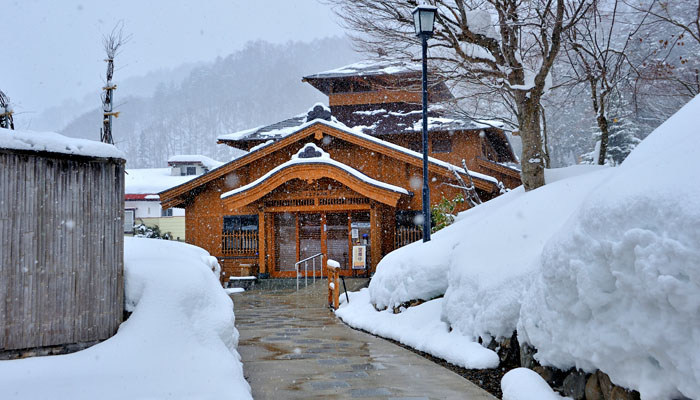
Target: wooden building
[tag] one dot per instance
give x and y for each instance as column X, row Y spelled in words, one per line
column 334, row 178
column 61, row 243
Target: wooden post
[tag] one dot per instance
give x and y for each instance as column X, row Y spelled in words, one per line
column 333, row 281
column 261, row 243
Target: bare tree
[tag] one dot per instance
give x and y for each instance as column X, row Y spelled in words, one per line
column 674, row 27
column 112, row 43
column 597, row 51
column 502, row 49
column 6, row 112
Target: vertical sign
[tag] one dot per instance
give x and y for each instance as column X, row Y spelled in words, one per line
column 359, row 257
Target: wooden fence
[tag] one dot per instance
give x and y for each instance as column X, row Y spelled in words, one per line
column 407, row 234
column 61, row 249
column 240, row 243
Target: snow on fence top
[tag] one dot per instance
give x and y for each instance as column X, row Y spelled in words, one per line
column 333, row 264
column 52, row 142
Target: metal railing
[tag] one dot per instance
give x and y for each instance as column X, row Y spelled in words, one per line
column 306, row 268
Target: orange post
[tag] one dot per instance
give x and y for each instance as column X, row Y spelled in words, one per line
column 333, row 283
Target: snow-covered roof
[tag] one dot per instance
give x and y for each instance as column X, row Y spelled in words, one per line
column 376, row 122
column 279, row 129
column 56, row 143
column 210, row 163
column 312, row 154
column 380, row 66
column 152, row 180
column 358, row 132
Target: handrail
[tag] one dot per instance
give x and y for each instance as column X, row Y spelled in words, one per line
column 306, row 268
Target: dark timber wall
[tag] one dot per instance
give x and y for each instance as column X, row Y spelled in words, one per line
column 61, row 249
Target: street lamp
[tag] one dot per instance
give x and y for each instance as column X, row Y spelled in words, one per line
column 424, row 20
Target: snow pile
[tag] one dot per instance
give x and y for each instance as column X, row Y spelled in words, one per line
column 180, row 342
column 472, row 251
column 620, row 283
column 414, row 272
column 526, row 384
column 55, row 143
column 418, row 327
column 208, row 162
column 498, row 249
column 152, row 180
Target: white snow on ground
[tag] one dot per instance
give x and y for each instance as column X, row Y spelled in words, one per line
column 620, row 283
column 419, row 327
column 179, row 343
column 234, row 290
column 497, row 256
column 420, row 270
column 56, row 143
column 598, row 269
column 526, row 384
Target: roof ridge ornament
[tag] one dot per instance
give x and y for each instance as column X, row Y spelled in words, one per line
column 310, row 150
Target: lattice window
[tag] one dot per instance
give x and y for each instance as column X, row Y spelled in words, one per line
column 343, row 200
column 289, row 203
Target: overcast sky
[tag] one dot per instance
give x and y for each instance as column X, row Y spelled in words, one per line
column 52, row 51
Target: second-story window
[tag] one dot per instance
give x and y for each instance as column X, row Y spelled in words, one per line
column 442, row 145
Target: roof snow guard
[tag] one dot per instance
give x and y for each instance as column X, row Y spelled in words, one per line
column 304, row 165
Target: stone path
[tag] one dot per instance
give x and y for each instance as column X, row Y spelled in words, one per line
column 292, row 347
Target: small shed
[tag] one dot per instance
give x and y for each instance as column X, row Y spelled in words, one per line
column 61, row 243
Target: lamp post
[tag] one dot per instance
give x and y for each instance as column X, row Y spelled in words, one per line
column 424, row 20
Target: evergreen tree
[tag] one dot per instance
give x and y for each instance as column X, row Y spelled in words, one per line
column 624, row 135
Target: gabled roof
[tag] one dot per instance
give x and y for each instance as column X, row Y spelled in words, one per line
column 320, row 127
column 372, row 121
column 278, row 129
column 305, row 164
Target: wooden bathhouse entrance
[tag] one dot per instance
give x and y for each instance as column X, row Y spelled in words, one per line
column 338, row 179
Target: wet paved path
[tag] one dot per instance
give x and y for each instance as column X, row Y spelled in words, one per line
column 292, row 347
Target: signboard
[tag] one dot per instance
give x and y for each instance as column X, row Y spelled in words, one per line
column 359, row 257
column 355, row 233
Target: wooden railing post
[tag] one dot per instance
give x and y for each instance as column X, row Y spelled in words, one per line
column 333, row 283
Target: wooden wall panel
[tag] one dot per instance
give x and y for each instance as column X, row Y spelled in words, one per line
column 61, row 267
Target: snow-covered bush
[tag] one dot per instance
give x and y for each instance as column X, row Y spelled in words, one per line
column 142, row 230
column 620, row 283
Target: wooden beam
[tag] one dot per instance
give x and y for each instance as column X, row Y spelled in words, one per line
column 374, row 97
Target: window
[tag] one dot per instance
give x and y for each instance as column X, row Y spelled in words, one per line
column 168, row 212
column 240, row 235
column 442, row 146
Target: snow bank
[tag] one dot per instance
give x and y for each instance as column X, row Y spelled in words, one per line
column 179, row 342
column 474, row 244
column 55, row 143
column 620, row 283
column 419, row 327
column 526, row 384
column 498, row 249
